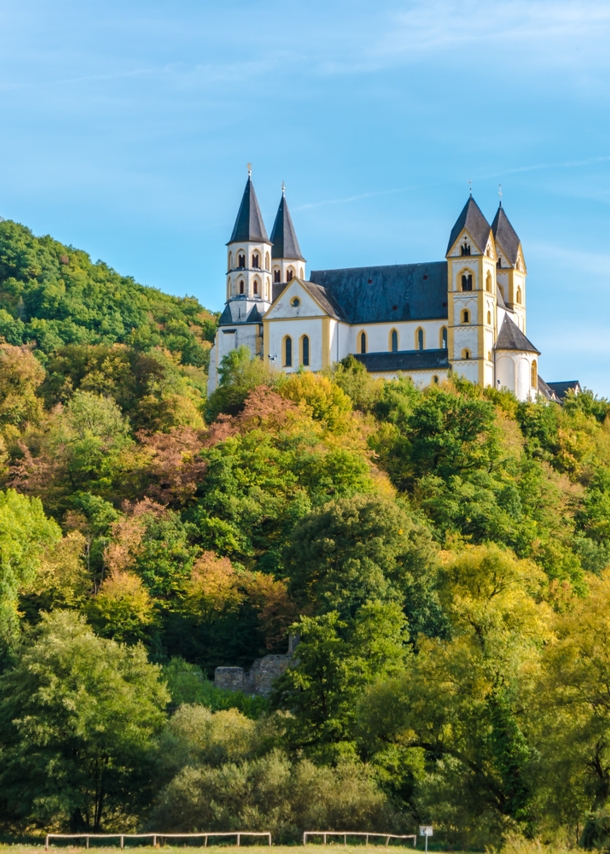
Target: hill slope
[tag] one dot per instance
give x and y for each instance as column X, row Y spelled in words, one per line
column 54, row 295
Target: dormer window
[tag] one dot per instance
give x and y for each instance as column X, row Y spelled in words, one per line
column 242, row 262
column 256, row 261
column 465, row 248
column 467, row 282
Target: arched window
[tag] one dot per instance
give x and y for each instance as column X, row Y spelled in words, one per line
column 290, row 275
column 256, row 286
column 394, row 341
column 419, row 339
column 435, row 379
column 465, row 316
column 488, row 282
column 241, row 286
column 305, row 350
column 465, row 354
column 230, row 260
column 256, row 261
column 242, row 262
column 363, row 342
column 267, row 267
column 465, row 249
column 277, row 275
column 467, row 281
column 519, row 295
column 489, row 318
column 444, row 338
column 534, row 374
column 288, row 351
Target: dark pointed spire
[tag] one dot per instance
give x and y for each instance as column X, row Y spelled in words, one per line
column 511, row 338
column 506, row 236
column 283, row 235
column 472, row 219
column 249, row 225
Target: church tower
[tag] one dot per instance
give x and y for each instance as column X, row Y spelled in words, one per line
column 286, row 258
column 511, row 271
column 471, row 300
column 249, row 259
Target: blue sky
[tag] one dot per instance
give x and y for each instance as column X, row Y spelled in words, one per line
column 126, row 127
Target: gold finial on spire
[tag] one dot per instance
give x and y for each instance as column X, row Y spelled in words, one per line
column 283, row 189
column 249, row 165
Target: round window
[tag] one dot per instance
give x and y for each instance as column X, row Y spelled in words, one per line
column 295, row 302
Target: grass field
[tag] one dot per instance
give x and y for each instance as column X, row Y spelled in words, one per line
column 211, row 849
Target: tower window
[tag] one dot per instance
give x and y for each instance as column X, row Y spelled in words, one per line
column 290, row 275
column 363, row 342
column 420, row 339
column 534, row 374
column 241, row 287
column 519, row 295
column 256, row 261
column 242, row 262
column 305, row 350
column 277, row 276
column 465, row 316
column 256, row 286
column 465, row 249
column 489, row 318
column 288, row 351
column 467, row 282
column 465, row 354
column 444, row 338
column 230, row 260
column 488, row 282
column 267, row 261
column 394, row 341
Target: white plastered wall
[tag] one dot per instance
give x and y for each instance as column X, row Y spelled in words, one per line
column 514, row 372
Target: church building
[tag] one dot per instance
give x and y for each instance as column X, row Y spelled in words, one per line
column 465, row 314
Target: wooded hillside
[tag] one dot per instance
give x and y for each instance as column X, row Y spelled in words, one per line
column 441, row 553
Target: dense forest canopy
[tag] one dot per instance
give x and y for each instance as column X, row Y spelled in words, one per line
column 442, row 555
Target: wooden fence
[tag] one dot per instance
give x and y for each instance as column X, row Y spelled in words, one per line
column 346, row 833
column 153, row 836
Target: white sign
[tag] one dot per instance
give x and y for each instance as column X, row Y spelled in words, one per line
column 426, row 831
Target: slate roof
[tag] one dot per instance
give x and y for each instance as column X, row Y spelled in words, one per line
column 546, row 391
column 226, row 318
column 506, row 235
column 386, row 294
column 283, row 235
column 325, row 298
column 561, row 389
column 249, row 224
column 471, row 218
column 511, row 338
column 406, row 360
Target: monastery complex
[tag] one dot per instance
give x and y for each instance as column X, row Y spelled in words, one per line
column 465, row 314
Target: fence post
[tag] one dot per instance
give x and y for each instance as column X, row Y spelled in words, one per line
column 122, row 841
column 87, row 838
column 387, row 841
column 325, row 839
column 345, row 839
column 154, row 841
column 367, row 839
column 205, row 844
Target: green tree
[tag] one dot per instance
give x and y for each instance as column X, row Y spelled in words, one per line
column 78, row 718
column 239, row 373
column 25, row 533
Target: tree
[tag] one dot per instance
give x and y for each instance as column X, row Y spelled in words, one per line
column 78, row 718
column 239, row 373
column 362, row 549
column 463, row 701
column 25, row 533
column 336, row 660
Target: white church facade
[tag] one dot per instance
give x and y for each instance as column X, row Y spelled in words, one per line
column 464, row 315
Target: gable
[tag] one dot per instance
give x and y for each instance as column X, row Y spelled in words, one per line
column 308, row 305
column 466, row 236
